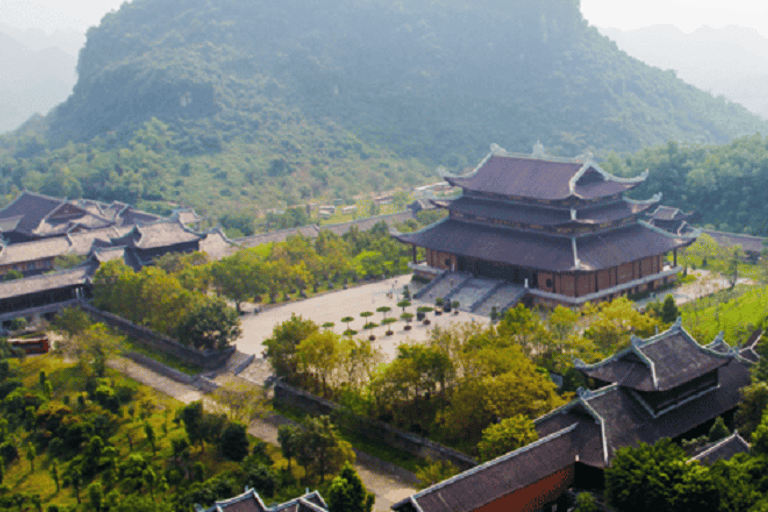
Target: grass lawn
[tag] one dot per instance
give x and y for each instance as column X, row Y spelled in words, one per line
column 161, row 357
column 737, row 312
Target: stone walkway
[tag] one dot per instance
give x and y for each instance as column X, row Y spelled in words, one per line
column 332, row 307
column 706, row 283
column 389, row 488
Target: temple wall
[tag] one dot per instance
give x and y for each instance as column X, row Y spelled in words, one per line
column 543, row 279
column 535, row 496
column 625, row 273
column 442, row 260
column 604, row 279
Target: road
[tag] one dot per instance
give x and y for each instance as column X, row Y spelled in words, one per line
column 388, row 487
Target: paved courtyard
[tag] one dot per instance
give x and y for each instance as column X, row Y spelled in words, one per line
column 333, row 306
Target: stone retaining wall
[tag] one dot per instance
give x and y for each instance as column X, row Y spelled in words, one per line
column 206, row 359
column 376, row 430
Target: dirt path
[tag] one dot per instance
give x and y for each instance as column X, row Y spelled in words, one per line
column 388, row 487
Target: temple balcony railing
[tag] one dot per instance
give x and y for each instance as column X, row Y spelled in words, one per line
column 578, row 301
column 422, row 268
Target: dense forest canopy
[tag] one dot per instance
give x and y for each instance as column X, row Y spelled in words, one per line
column 269, row 103
column 724, row 185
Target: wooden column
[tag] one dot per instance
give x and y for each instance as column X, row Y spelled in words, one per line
column 414, row 254
column 674, row 253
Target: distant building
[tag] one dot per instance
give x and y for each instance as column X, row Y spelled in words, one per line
column 670, row 219
column 33, row 216
column 560, row 227
column 664, row 386
column 753, row 246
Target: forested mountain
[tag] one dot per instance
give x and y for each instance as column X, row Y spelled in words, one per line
column 261, row 102
column 732, row 60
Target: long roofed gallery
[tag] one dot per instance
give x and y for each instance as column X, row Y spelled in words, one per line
column 562, row 228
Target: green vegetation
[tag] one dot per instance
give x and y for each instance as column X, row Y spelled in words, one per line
column 232, row 109
column 738, row 312
column 464, row 378
column 718, row 182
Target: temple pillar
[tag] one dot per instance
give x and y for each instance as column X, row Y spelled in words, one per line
column 674, row 255
column 414, row 254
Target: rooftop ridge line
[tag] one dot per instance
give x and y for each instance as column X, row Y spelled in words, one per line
column 591, row 164
column 694, row 234
column 718, row 444
column 497, row 460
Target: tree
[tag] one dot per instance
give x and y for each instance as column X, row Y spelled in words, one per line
column 506, row 436
column 243, row 402
column 281, row 347
column 719, row 430
column 347, row 493
column 235, row 276
column 320, row 354
column 585, row 502
column 403, row 304
column 212, row 325
column 31, row 454
column 54, row 473
column 150, row 433
column 669, row 311
column 319, row 448
column 95, row 495
column 289, row 436
column 613, row 322
column 192, row 416
column 234, row 442
column 753, row 404
column 523, row 327
column 657, row 477
column 435, row 471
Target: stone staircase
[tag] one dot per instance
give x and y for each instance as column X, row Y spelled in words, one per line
column 505, row 297
column 472, row 291
column 445, row 287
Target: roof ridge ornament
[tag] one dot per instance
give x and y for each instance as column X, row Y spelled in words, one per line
column 678, row 323
column 497, row 150
column 636, row 341
column 538, row 151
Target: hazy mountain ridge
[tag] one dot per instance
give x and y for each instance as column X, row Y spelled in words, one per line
column 35, row 78
column 731, row 61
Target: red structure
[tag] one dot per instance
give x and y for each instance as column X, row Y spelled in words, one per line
column 560, row 227
column 36, row 345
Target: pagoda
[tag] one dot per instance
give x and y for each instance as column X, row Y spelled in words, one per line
column 561, row 228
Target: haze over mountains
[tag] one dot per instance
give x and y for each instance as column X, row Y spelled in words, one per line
column 38, row 72
column 732, row 61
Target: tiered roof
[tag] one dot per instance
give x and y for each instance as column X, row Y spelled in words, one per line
column 542, row 178
column 545, row 251
column 659, row 363
column 546, row 213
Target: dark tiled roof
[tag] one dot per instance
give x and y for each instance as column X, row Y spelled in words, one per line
column 495, row 479
column 626, row 421
column 46, row 282
column 659, row 363
column 753, row 244
column 618, row 246
column 32, row 251
column 612, row 212
column 131, row 216
column 10, row 223
column 216, row 245
column 668, row 213
column 250, row 501
column 544, row 251
column 33, row 208
column 723, row 449
column 246, row 502
column 157, row 234
column 534, row 178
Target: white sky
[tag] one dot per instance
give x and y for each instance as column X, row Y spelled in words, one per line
column 688, row 15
